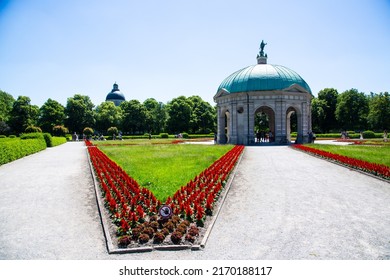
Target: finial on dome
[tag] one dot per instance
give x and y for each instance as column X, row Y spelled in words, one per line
column 261, row 57
column 115, row 87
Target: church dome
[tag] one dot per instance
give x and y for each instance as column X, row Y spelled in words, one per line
column 115, row 95
column 262, row 77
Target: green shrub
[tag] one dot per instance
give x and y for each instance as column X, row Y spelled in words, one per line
column 185, row 135
column 17, row 148
column 32, row 129
column 12, row 136
column 88, row 132
column 112, row 130
column 60, row 130
column 35, row 135
column 336, row 135
column 56, row 141
column 48, row 139
column 3, row 136
column 328, row 135
column 164, row 135
column 368, row 134
column 194, row 136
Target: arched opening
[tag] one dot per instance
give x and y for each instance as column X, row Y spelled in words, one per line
column 264, row 125
column 227, row 126
column 224, row 134
column 293, row 125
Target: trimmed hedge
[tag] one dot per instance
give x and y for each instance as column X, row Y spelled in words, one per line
column 35, row 135
column 48, row 139
column 56, row 141
column 353, row 135
column 166, row 135
column 29, row 143
column 16, row 148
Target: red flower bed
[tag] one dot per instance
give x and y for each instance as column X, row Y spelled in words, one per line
column 355, row 142
column 131, row 205
column 372, row 168
column 196, row 200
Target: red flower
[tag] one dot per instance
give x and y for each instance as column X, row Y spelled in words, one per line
column 126, row 200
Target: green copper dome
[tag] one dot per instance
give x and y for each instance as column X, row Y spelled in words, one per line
column 262, row 77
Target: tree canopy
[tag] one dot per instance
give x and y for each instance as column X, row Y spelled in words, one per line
column 352, row 110
column 23, row 114
column 331, row 111
column 134, row 117
column 79, row 111
column 179, row 115
column 107, row 115
column 6, row 104
column 379, row 111
column 52, row 113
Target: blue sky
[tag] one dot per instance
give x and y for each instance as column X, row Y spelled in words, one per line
column 164, row 49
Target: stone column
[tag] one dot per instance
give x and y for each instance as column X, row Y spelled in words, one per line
column 221, row 136
column 305, row 123
column 233, row 123
column 250, row 135
column 280, row 121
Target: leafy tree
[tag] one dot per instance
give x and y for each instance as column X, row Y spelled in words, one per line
column 4, row 128
column 203, row 116
column 33, row 129
column 52, row 113
column 318, row 115
column 134, row 117
column 379, row 111
column 329, row 98
column 112, row 131
column 352, row 110
column 107, row 115
column 79, row 111
column 179, row 112
column 60, row 130
column 156, row 115
column 6, row 103
column 88, row 131
column 23, row 114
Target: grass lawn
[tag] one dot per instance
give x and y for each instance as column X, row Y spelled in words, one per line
column 375, row 154
column 163, row 168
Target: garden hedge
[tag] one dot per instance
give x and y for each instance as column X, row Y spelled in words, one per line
column 56, row 141
column 166, row 135
column 353, row 135
column 15, row 148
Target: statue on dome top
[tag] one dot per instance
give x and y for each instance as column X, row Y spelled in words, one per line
column 262, row 45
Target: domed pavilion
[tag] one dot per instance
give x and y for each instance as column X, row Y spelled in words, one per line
column 263, row 94
column 115, row 95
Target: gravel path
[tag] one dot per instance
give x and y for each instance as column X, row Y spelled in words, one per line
column 283, row 204
column 48, row 208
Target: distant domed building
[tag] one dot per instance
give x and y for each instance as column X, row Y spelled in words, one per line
column 115, row 95
column 267, row 90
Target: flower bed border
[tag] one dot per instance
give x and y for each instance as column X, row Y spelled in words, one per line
column 209, row 222
column 374, row 170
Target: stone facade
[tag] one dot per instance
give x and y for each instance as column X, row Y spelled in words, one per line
column 273, row 90
column 236, row 114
